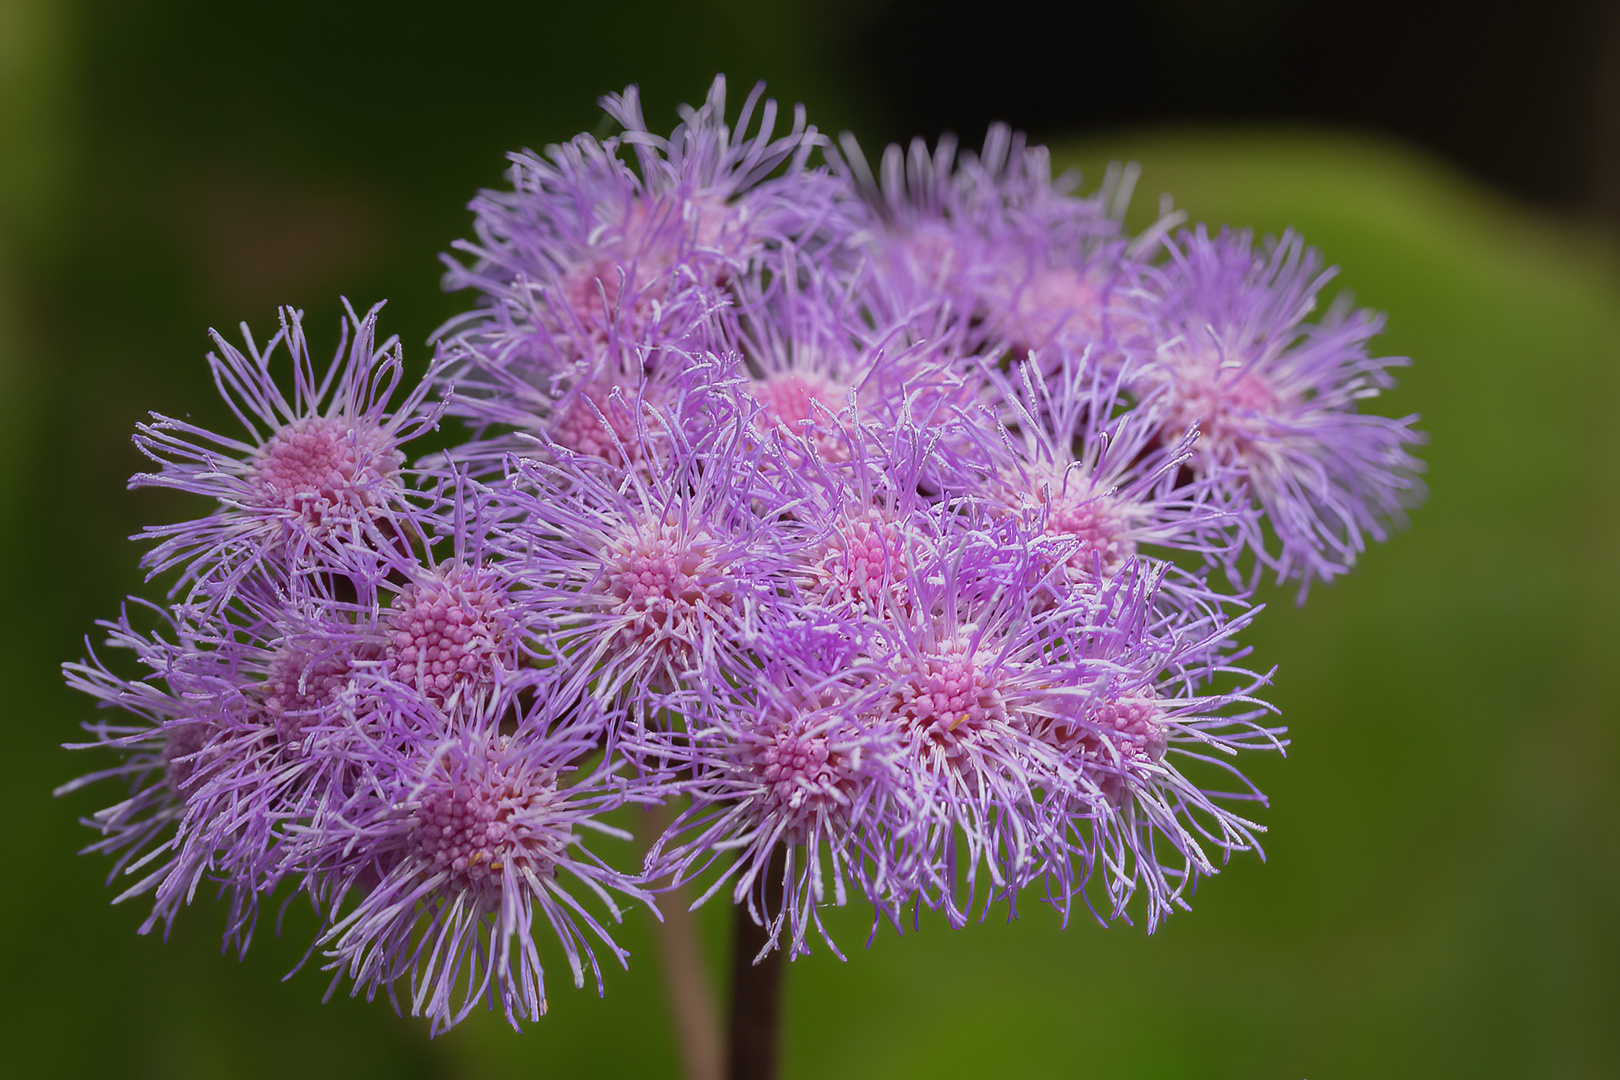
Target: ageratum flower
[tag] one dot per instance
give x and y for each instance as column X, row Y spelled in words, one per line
column 822, row 364
column 788, row 762
column 591, row 270
column 599, row 407
column 1035, row 734
column 650, row 577
column 455, row 628
column 1276, row 398
column 874, row 516
column 1147, row 750
column 243, row 720
column 1020, row 260
column 902, row 527
column 1097, row 479
column 460, row 842
column 318, row 477
column 959, row 664
column 600, row 240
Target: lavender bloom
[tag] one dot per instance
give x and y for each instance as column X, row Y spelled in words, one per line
column 1022, row 262
column 591, row 270
column 1095, row 481
column 871, row 514
column 452, row 849
column 651, row 577
column 1027, row 724
column 451, row 634
column 1151, row 705
column 959, row 665
column 457, row 821
column 598, row 240
column 1275, row 397
column 243, row 725
column 837, row 505
column 599, row 413
column 319, row 476
column 824, row 361
column 788, row 761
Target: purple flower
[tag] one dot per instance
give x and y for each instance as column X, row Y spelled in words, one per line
column 959, row 665
column 440, row 866
column 903, row 525
column 653, row 576
column 788, row 762
column 1275, row 398
column 600, row 240
column 242, row 723
column 1020, row 261
column 319, row 475
column 824, row 361
column 591, row 270
column 451, row 634
column 1151, row 707
column 1096, row 479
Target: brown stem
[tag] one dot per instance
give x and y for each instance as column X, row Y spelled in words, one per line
column 686, row 977
column 756, row 989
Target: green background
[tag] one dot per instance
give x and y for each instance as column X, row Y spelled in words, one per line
column 1441, row 879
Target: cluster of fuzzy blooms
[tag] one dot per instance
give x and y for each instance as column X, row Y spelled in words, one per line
column 892, row 530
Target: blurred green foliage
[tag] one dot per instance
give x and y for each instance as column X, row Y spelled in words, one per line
column 1442, row 877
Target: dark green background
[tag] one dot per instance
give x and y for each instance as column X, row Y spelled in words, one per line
column 1440, row 890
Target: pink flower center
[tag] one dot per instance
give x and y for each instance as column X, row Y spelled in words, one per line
column 662, row 582
column 1118, row 732
column 325, row 468
column 803, row 405
column 1092, row 529
column 630, row 260
column 798, row 772
column 864, row 561
column 488, row 822
column 593, row 423
column 949, row 697
column 299, row 686
column 593, row 290
column 792, row 399
column 1231, row 411
column 1135, row 726
column 449, row 634
column 1052, row 304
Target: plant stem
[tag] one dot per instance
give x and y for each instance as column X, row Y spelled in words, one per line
column 756, row 989
column 686, row 982
column 686, row 977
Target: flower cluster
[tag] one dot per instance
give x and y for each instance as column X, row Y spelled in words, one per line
column 896, row 527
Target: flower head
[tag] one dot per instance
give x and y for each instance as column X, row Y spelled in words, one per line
column 1019, row 260
column 656, row 576
column 1148, row 751
column 785, row 763
column 451, row 632
column 243, row 720
column 439, row 869
column 901, row 526
column 1098, row 479
column 318, row 474
column 592, row 269
column 1276, row 398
